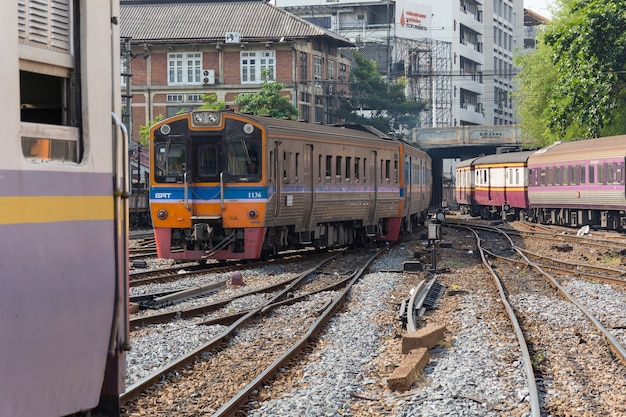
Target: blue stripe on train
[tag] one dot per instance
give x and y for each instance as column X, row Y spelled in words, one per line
column 258, row 192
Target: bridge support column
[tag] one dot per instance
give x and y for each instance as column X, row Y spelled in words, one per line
column 437, row 171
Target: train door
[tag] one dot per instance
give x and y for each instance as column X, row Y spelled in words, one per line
column 205, row 167
column 372, row 178
column 275, row 164
column 488, row 171
column 309, row 189
column 408, row 184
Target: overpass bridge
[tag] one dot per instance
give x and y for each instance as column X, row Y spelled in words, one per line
column 461, row 142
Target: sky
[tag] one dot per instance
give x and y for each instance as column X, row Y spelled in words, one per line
column 540, row 6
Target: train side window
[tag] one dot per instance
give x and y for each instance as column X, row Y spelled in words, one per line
column 338, row 170
column 329, row 162
column 319, row 169
column 620, row 173
column 592, row 174
column 286, row 157
column 601, row 174
column 44, row 100
column 517, row 177
column 272, row 174
column 297, row 167
column 357, row 164
column 348, row 167
column 364, row 170
column 581, row 175
column 395, row 171
column 50, row 105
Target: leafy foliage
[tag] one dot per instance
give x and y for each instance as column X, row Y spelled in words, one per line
column 210, row 102
column 574, row 84
column 377, row 102
column 144, row 131
column 267, row 101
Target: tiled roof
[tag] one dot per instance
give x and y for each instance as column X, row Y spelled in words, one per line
column 162, row 22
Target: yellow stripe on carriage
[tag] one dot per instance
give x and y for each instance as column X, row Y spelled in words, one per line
column 52, row 209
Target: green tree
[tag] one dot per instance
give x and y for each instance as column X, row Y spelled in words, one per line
column 210, row 102
column 580, row 61
column 267, row 101
column 144, row 131
column 376, row 102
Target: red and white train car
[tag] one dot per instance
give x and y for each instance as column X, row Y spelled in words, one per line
column 498, row 188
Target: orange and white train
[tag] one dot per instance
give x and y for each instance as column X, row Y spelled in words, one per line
column 225, row 185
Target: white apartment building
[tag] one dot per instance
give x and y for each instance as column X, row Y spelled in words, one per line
column 457, row 55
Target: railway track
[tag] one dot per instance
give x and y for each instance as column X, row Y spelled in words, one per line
column 547, row 344
column 321, row 296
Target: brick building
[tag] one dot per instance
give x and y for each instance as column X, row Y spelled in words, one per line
column 177, row 51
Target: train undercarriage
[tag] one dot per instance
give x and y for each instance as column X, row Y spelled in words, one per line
column 604, row 219
column 211, row 241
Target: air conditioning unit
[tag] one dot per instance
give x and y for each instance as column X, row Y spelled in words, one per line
column 232, row 37
column 208, row 76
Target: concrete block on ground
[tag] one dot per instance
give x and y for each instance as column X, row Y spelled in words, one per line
column 426, row 337
column 411, row 367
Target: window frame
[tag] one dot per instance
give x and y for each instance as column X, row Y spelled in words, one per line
column 182, row 62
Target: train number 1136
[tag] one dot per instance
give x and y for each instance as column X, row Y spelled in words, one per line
column 254, row 194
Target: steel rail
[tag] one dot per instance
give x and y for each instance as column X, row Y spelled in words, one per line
column 240, row 398
column 140, row 386
column 533, row 392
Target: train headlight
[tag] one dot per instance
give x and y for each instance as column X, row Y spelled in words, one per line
column 162, row 214
column 165, row 129
column 206, row 118
column 252, row 214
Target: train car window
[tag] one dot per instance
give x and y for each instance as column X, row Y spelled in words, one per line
column 170, row 161
column 338, row 161
column 620, row 173
column 49, row 84
column 364, row 170
column 243, row 158
column 297, row 167
column 610, row 173
column 329, row 162
column 581, row 174
column 592, row 174
column 207, row 161
column 286, row 158
column 388, row 170
column 319, row 169
column 348, row 168
column 272, row 175
column 517, row 177
column 601, row 174
column 357, row 164
column 395, row 171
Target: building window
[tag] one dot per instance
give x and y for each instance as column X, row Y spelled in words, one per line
column 317, row 70
column 303, row 67
column 184, row 68
column 194, row 98
column 253, row 63
column 174, row 98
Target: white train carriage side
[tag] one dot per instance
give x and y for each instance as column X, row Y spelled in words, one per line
column 63, row 232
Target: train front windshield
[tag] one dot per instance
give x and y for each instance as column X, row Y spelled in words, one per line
column 231, row 154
